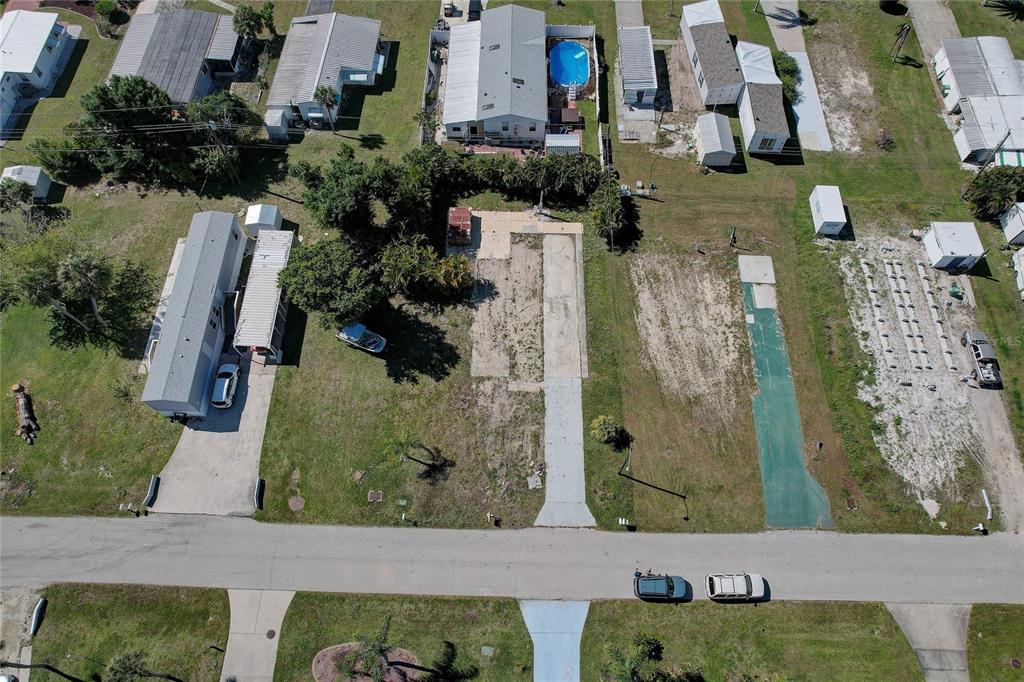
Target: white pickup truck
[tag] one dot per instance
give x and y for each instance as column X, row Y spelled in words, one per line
column 734, row 587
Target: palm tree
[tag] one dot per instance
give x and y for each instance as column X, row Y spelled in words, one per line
column 371, row 658
column 327, row 97
column 81, row 276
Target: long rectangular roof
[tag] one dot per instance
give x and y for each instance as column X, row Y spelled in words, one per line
column 764, row 89
column 986, row 120
column 317, row 49
column 168, row 49
column 498, row 66
column 712, row 43
column 23, row 35
column 262, row 292
column 983, row 66
column 636, row 58
column 176, row 373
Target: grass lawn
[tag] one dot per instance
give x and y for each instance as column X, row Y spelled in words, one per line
column 994, row 639
column 87, row 625
column 663, row 17
column 418, row 624
column 792, row 640
column 974, row 19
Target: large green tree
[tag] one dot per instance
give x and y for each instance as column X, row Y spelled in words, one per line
column 330, row 278
column 994, row 190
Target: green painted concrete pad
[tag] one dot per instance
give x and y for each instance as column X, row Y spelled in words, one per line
column 792, row 498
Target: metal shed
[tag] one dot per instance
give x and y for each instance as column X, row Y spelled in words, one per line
column 713, row 139
column 952, row 246
column 827, row 210
column 262, row 217
column 636, row 66
column 1012, row 222
column 568, row 143
column 33, row 176
column 264, row 309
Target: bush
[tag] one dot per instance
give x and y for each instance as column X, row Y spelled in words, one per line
column 789, row 74
column 994, row 190
column 105, row 8
column 884, row 140
column 607, row 430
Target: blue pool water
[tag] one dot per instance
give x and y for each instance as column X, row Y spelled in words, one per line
column 569, row 63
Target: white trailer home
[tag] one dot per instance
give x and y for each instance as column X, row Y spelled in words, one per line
column 1012, row 222
column 709, row 49
column 762, row 112
column 33, row 176
column 32, row 54
column 636, row 67
column 976, row 67
column 952, row 246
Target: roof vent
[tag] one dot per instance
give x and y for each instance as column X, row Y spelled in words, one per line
column 487, row 107
column 519, row 81
column 495, row 46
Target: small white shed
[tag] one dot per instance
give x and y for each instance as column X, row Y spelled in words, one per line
column 1018, row 267
column 952, row 246
column 33, row 176
column 556, row 145
column 827, row 210
column 262, row 217
column 1012, row 222
column 713, row 139
column 276, row 123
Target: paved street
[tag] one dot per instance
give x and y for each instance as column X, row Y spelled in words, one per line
column 536, row 563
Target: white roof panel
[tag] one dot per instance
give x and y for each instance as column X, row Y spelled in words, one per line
column 28, row 174
column 462, row 86
column 715, row 133
column 756, row 63
column 134, row 45
column 986, row 120
column 956, row 239
column 636, row 58
column 707, row 12
column 1002, row 67
column 23, row 35
column 262, row 293
column 562, row 140
column 263, row 214
column 831, row 203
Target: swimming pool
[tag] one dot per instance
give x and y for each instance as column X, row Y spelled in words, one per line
column 570, row 63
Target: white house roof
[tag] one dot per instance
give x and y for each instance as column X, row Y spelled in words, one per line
column 986, row 120
column 317, row 49
column 263, row 214
column 23, row 35
column 715, row 133
column 983, row 66
column 1012, row 221
column 636, row 58
column 510, row 74
column 699, row 13
column 562, row 140
column 756, row 63
column 28, row 174
column 955, row 239
column 262, row 293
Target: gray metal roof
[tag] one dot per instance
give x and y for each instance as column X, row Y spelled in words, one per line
column 767, row 107
column 636, row 58
column 224, row 41
column 716, row 54
column 513, row 49
column 262, row 292
column 168, row 49
column 968, row 66
column 317, row 49
column 179, row 369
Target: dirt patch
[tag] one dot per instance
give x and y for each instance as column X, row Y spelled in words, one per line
column 325, row 665
column 847, row 97
column 690, row 324
column 925, row 420
column 15, row 619
column 514, row 434
column 686, row 101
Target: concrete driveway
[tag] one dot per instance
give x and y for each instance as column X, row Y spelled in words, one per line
column 215, row 466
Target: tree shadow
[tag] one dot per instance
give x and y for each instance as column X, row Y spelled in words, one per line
column 417, row 348
column 436, row 467
column 294, row 336
column 262, row 165
column 371, row 141
column 663, row 98
column 908, row 61
column 1011, row 9
column 627, row 238
column 602, row 82
column 893, row 7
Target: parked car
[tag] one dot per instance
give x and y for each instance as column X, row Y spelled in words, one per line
column 653, row 587
column 734, row 587
column 358, row 336
column 983, row 359
column 224, row 385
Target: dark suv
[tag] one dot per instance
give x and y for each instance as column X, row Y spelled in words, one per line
column 652, row 587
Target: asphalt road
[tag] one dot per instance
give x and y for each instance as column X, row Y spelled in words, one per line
column 535, row 563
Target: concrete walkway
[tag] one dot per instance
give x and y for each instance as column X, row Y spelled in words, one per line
column 784, row 22
column 216, row 463
column 629, row 13
column 535, row 563
column 256, row 617
column 556, row 628
column 938, row 635
column 810, row 116
column 933, row 21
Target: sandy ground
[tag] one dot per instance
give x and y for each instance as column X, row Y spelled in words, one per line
column 847, row 96
column 931, row 424
column 690, row 324
column 15, row 618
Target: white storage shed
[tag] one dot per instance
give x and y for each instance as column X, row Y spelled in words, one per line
column 33, row 176
column 713, row 139
column 827, row 210
column 1012, row 222
column 952, row 246
column 568, row 143
column 262, row 217
column 1018, row 267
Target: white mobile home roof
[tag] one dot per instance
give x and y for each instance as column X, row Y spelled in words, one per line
column 317, row 49
column 30, row 175
column 952, row 239
column 699, row 13
column 983, row 66
column 562, row 140
column 636, row 58
column 224, row 41
column 986, row 120
column 22, row 38
column 262, row 293
column 263, row 214
column 1012, row 222
column 463, row 73
column 715, row 133
column 756, row 63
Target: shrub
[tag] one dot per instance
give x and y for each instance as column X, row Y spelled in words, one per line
column 884, row 140
column 105, row 8
column 994, row 190
column 607, row 430
column 789, row 74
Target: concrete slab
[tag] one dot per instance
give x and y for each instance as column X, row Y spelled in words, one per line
column 810, row 124
column 253, row 635
column 629, row 13
column 784, row 22
column 555, row 628
column 214, row 467
column 565, row 495
column 938, row 635
column 757, row 269
column 765, row 296
column 933, row 21
column 561, row 308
